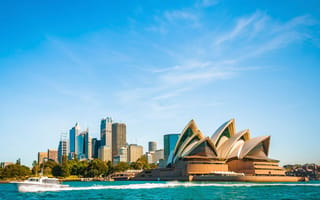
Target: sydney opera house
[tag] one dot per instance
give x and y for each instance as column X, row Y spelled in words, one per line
column 227, row 156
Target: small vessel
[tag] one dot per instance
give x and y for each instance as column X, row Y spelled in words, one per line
column 38, row 184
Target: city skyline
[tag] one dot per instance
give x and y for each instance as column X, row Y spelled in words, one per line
column 111, row 146
column 157, row 65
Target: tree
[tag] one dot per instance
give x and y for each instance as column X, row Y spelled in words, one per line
column 65, row 170
column 61, row 171
column 121, row 166
column 73, row 167
column 153, row 166
column 82, row 166
column 141, row 163
column 15, row 171
column 56, row 170
column 35, row 168
column 110, row 168
column 1, row 171
column 48, row 166
column 96, row 168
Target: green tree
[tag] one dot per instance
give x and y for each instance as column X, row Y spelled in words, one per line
column 141, row 163
column 35, row 168
column 16, row 171
column 48, row 166
column 56, row 170
column 110, row 168
column 96, row 168
column 1, row 171
column 65, row 172
column 73, row 167
column 121, row 166
column 82, row 167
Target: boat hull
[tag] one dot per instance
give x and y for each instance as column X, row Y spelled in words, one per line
column 36, row 187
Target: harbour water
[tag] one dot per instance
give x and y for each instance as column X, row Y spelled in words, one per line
column 171, row 190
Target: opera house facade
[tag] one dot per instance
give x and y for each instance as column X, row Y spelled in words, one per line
column 227, row 156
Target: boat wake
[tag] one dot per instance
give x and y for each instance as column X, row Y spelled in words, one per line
column 167, row 185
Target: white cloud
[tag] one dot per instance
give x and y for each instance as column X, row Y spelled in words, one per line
column 241, row 26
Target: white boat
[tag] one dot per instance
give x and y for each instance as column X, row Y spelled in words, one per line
column 38, row 184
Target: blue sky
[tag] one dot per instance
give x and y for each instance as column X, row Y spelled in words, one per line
column 155, row 65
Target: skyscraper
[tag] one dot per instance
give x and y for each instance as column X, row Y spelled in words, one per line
column 88, row 146
column 106, row 132
column 152, row 146
column 134, row 152
column 80, row 146
column 63, row 147
column 84, row 145
column 73, row 146
column 95, row 147
column 118, row 137
column 169, row 142
column 106, row 139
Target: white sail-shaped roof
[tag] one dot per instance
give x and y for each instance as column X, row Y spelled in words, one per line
column 224, row 132
column 226, row 148
column 257, row 148
column 224, row 144
column 188, row 136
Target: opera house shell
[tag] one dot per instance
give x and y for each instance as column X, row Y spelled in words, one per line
column 226, row 155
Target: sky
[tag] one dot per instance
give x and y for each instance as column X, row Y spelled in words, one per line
column 155, row 65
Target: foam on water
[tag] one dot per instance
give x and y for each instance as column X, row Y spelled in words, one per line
column 167, row 185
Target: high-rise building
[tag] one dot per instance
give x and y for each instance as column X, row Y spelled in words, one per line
column 106, row 135
column 88, row 146
column 62, row 150
column 134, row 152
column 84, row 145
column 95, row 147
column 42, row 156
column 73, row 143
column 53, row 155
column 81, row 146
column 169, row 142
column 104, row 153
column 152, row 146
column 106, row 132
column 118, row 137
column 63, row 147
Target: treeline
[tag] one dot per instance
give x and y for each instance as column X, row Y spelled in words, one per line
column 92, row 168
column 15, row 171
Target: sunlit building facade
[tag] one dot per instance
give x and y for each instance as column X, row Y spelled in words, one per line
column 119, row 137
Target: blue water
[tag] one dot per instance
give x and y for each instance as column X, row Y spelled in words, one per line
column 171, row 190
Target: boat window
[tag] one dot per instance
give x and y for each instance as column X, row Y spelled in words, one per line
column 50, row 181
